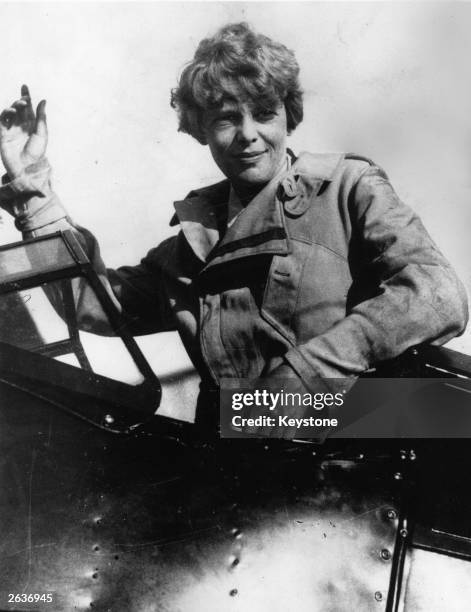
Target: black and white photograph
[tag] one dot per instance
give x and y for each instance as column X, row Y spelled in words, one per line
column 235, row 269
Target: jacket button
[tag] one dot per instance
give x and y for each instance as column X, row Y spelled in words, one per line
column 297, row 206
column 290, row 187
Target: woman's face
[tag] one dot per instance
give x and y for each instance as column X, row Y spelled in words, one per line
column 247, row 142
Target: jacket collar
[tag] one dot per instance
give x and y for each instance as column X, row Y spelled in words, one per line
column 260, row 227
column 201, row 216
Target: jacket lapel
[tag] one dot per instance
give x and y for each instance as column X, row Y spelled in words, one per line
column 259, row 229
column 201, row 215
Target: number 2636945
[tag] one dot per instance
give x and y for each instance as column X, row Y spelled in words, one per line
column 29, row 597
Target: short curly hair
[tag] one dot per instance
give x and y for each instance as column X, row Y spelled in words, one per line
column 240, row 64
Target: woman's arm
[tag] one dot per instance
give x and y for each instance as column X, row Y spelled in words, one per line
column 27, row 194
column 418, row 296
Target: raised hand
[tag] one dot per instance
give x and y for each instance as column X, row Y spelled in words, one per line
column 23, row 134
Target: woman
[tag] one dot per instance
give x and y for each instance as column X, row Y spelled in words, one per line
column 306, row 267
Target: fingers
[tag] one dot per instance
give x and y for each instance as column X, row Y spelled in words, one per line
column 20, row 113
column 26, row 98
column 17, row 114
column 26, row 116
column 37, row 124
column 8, row 117
column 41, row 124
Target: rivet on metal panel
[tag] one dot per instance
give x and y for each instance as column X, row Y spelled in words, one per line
column 385, row 554
column 392, row 514
column 233, row 592
column 398, row 476
column 378, row 596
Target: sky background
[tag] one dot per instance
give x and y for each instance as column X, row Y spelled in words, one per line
column 388, row 81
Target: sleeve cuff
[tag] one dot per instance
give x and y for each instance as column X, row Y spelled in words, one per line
column 30, row 199
column 313, row 379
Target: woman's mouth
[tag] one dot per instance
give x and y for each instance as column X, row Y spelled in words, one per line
column 250, row 157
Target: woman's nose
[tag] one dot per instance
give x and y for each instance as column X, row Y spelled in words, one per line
column 247, row 131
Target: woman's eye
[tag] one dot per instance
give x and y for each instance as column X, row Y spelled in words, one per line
column 265, row 115
column 225, row 119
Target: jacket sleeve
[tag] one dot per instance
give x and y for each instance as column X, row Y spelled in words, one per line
column 418, row 297
column 137, row 291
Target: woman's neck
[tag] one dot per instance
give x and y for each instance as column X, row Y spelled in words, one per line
column 246, row 193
